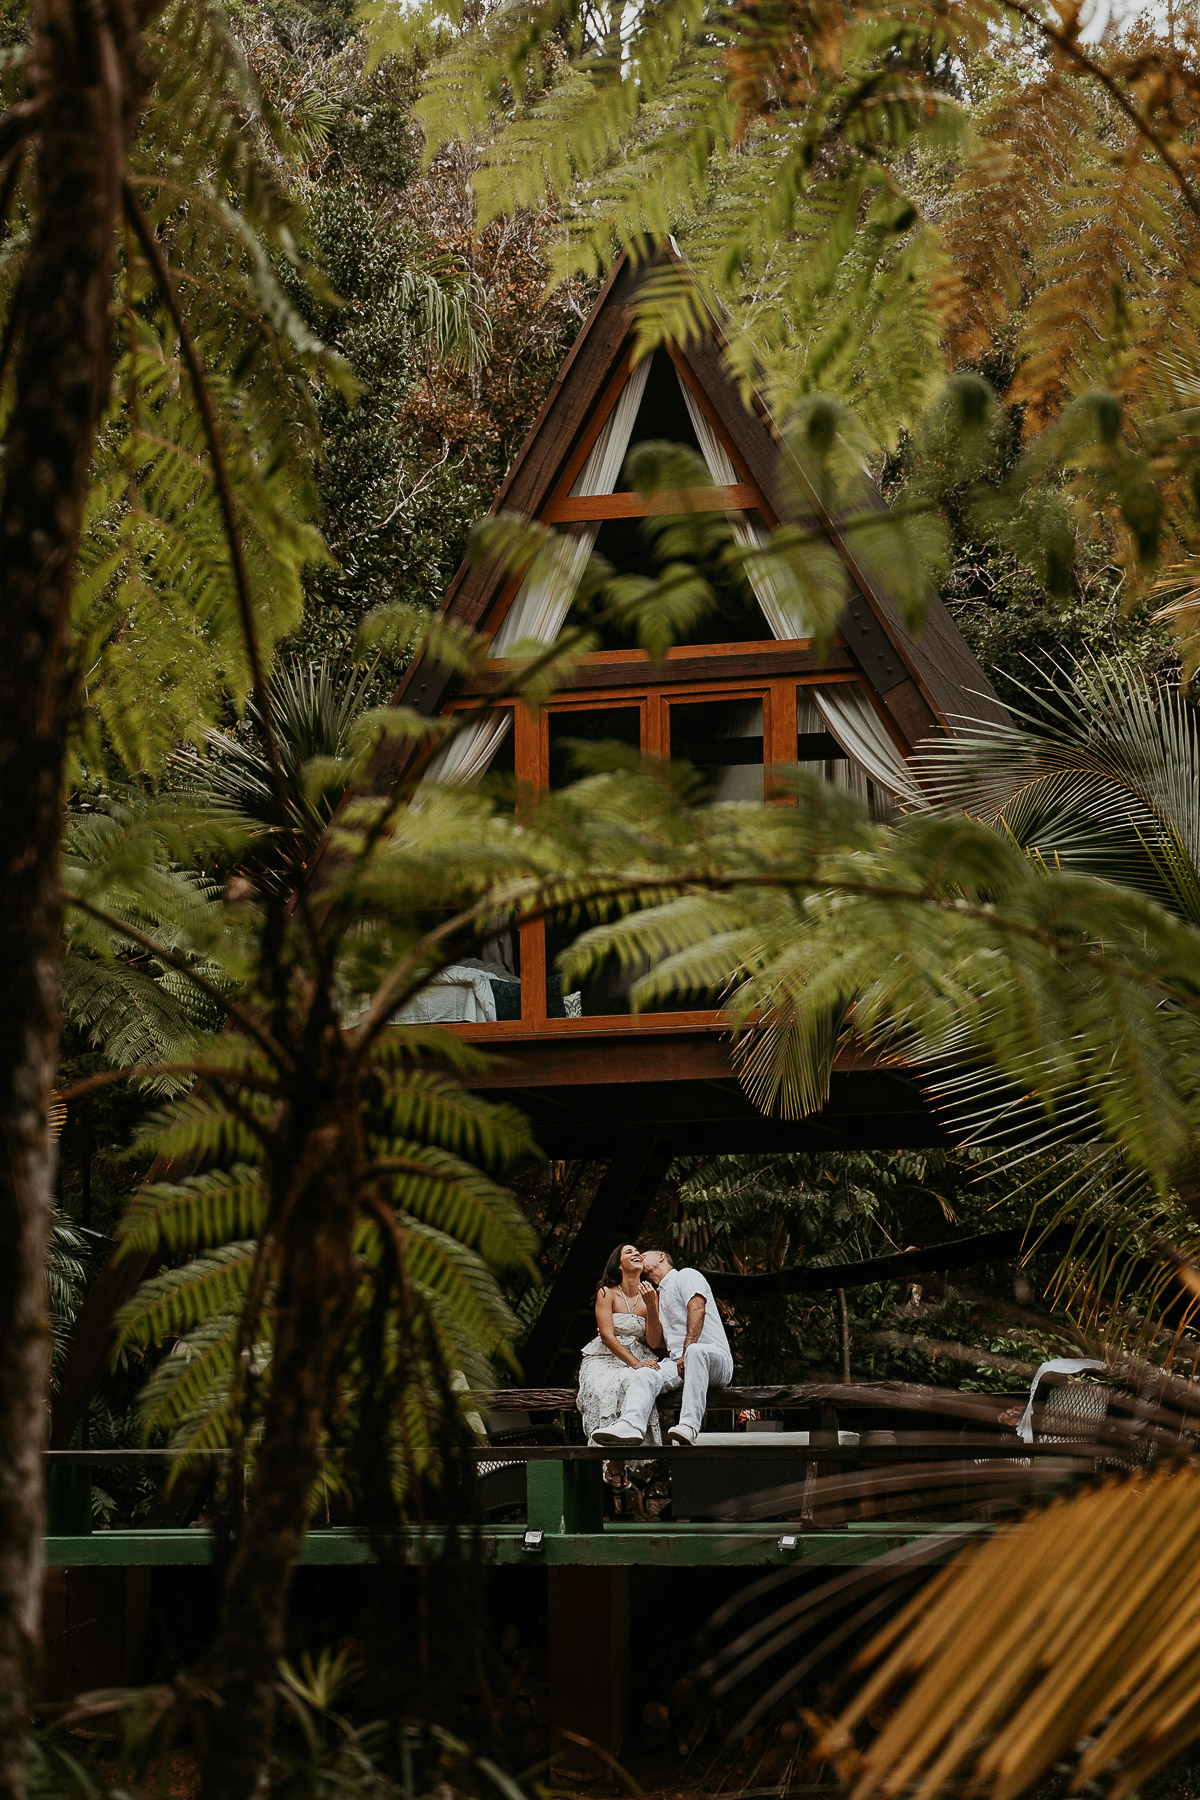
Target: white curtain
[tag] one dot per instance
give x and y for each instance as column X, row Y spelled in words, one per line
column 544, row 598
column 469, row 755
column 847, row 712
column 862, row 734
column 599, row 473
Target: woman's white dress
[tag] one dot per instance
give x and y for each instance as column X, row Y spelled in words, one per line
column 603, row 1377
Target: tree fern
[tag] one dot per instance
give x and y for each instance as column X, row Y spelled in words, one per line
column 177, row 1300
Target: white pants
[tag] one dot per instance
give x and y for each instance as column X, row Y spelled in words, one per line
column 704, row 1363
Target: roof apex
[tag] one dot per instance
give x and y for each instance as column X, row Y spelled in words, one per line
column 925, row 684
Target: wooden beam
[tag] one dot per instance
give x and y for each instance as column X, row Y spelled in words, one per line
column 957, row 1253
column 631, row 1050
column 562, row 1057
column 616, row 670
column 575, row 508
column 621, row 1201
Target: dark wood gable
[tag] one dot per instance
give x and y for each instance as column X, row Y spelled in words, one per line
column 920, row 686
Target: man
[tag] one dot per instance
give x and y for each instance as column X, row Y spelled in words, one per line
column 699, row 1354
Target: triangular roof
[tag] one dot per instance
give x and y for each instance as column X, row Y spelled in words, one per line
column 925, row 686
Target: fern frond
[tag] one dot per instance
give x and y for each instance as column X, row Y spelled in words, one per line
column 445, row 1190
column 433, row 1109
column 201, row 1212
column 207, row 1287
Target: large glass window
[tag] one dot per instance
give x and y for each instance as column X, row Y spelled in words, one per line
column 734, row 616
column 723, row 741
column 570, row 734
column 730, row 735
column 663, row 416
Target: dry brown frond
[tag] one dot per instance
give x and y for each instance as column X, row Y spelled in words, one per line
column 1076, row 1631
column 1003, row 209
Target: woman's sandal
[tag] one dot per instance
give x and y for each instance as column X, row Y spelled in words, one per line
column 617, row 1476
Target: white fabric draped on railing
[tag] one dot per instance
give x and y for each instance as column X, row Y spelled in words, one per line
column 844, row 707
column 543, row 600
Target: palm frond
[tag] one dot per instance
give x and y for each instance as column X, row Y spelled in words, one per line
column 1070, row 1635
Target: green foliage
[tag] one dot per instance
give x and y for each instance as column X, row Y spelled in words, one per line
column 400, row 309
column 137, row 1009
column 1104, row 778
column 204, row 1210
column 157, row 570
column 66, row 1278
column 316, row 713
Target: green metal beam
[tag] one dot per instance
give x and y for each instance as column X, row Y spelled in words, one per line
column 668, row 1545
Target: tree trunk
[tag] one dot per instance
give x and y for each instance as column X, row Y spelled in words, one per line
column 82, row 78
column 317, row 1286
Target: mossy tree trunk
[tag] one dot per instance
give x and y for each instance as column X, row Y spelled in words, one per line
column 82, row 99
column 317, row 1191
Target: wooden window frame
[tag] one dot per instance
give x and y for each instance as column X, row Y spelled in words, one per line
column 578, row 509
column 655, row 697
column 564, row 508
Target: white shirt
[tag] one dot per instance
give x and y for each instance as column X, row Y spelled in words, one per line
column 676, row 1288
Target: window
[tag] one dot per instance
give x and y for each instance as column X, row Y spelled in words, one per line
column 569, row 733
column 723, row 741
column 731, row 731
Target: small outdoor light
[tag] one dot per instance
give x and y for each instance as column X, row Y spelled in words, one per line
column 534, row 1542
column 788, row 1544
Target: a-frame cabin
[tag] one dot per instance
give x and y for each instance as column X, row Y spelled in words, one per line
column 751, row 693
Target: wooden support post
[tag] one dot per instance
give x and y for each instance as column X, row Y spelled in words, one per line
column 626, row 1190
column 565, row 1497
column 137, row 1624
column 828, row 1512
column 83, row 1631
column 68, row 1500
column 589, row 1668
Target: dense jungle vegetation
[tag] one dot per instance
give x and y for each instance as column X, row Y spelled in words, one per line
column 407, row 465
column 304, row 281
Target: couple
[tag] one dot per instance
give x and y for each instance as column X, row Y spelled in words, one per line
column 658, row 1329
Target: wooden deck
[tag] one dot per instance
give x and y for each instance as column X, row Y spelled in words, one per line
column 618, row 1545
column 586, row 1084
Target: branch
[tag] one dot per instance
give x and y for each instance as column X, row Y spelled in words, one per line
column 237, row 1012
column 147, row 1071
column 935, row 1347
column 1063, row 41
column 959, row 1253
column 216, row 449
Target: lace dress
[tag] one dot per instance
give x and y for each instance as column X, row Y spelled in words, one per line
column 603, row 1377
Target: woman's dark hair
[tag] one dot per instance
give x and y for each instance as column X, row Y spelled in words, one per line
column 612, row 1270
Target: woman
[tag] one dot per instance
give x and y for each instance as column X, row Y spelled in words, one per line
column 626, row 1328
